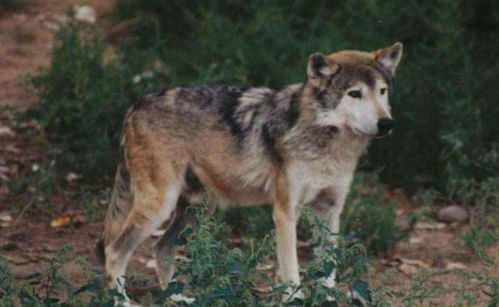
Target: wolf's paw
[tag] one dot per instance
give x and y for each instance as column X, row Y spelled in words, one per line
column 356, row 299
column 126, row 303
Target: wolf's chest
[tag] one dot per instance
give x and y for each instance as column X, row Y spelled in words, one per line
column 307, row 178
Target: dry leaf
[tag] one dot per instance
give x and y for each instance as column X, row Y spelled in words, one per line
column 262, row 289
column 455, row 266
column 429, row 226
column 408, row 269
column 413, row 262
column 61, row 221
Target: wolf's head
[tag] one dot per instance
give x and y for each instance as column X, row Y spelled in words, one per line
column 351, row 89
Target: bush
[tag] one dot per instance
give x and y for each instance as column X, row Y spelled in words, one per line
column 12, row 6
column 216, row 274
column 369, row 215
column 83, row 102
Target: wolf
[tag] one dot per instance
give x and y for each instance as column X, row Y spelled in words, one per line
column 247, row 146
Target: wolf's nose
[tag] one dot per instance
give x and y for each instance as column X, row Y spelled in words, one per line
column 385, row 125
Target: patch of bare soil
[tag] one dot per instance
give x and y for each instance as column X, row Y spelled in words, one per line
column 435, row 251
column 26, row 41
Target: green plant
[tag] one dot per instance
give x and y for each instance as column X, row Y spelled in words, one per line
column 83, row 101
column 216, row 274
column 12, row 6
column 369, row 215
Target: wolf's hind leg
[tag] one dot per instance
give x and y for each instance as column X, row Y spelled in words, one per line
column 166, row 246
column 151, row 208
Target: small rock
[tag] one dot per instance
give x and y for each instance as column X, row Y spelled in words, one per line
column 85, row 13
column 6, row 218
column 151, row 264
column 415, row 240
column 70, row 177
column 136, row 79
column 455, row 266
column 35, row 167
column 6, row 131
column 452, row 213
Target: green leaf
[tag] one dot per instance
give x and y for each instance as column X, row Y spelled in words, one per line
column 362, row 289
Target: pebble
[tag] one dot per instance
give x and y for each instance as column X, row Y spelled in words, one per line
column 452, row 214
column 455, row 266
column 85, row 13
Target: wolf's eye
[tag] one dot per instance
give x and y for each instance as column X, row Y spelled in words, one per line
column 382, row 91
column 355, row 94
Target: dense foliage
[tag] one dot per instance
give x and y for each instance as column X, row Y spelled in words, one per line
column 445, row 104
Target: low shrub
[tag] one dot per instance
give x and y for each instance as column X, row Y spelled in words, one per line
column 83, row 102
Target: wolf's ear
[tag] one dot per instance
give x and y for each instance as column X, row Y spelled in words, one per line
column 389, row 57
column 318, row 66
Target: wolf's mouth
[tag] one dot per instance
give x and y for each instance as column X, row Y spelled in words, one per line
column 382, row 135
column 362, row 133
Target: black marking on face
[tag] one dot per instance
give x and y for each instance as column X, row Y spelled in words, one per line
column 269, row 143
column 388, row 77
column 147, row 100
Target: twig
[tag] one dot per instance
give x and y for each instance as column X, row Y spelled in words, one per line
column 25, row 208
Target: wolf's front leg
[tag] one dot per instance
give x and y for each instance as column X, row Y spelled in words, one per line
column 287, row 258
column 329, row 205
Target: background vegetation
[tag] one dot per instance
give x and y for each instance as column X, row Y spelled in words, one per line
column 445, row 104
column 444, row 148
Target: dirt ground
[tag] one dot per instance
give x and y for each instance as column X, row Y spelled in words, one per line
column 28, row 241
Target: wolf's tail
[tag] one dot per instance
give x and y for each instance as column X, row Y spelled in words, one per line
column 117, row 212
